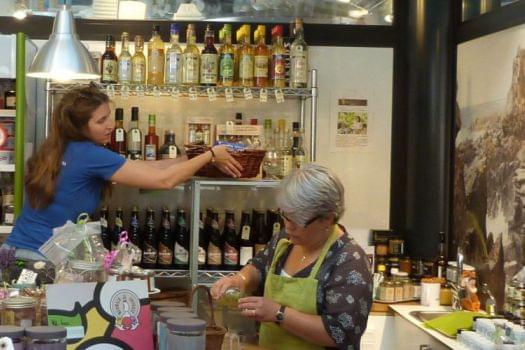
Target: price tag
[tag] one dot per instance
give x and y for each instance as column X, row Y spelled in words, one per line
column 175, row 93
column 140, row 91
column 124, row 92
column 263, row 95
column 279, row 96
column 228, row 93
column 26, row 277
column 192, row 93
column 212, row 95
column 156, row 91
column 247, row 93
column 110, row 91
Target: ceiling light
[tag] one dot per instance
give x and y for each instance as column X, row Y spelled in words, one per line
column 131, row 9
column 389, row 18
column 358, row 13
column 21, row 11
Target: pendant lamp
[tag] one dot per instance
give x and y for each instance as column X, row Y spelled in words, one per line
column 63, row 57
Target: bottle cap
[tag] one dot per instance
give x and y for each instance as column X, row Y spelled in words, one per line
column 267, row 123
column 253, row 121
column 134, row 113
column 295, row 126
column 238, row 116
column 119, row 114
column 109, row 37
column 174, row 28
column 277, row 30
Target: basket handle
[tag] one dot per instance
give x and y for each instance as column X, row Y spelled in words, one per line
column 210, row 300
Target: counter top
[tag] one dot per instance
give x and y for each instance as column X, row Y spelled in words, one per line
column 404, row 311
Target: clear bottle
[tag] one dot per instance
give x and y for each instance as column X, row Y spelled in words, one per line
column 298, row 153
column 246, row 60
column 134, row 136
column 271, row 160
column 108, row 63
column 261, row 58
column 191, row 59
column 169, row 149
column 156, row 58
column 286, row 150
column 138, row 62
column 209, row 59
column 227, row 58
column 299, row 58
column 151, row 140
column 124, row 61
column 173, row 66
column 278, row 60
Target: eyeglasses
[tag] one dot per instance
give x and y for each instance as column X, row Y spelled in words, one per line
column 305, row 225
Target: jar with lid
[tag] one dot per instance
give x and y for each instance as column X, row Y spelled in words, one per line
column 405, row 265
column 16, row 334
column 417, row 288
column 87, row 271
column 46, row 338
column 396, row 246
column 162, row 328
column 156, row 305
column 20, row 311
column 445, row 295
column 386, row 291
column 186, row 334
column 408, row 289
column 398, row 291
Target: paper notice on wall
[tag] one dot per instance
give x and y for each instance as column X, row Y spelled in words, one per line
column 349, row 124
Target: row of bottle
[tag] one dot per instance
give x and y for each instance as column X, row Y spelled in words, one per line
column 168, row 248
column 245, row 65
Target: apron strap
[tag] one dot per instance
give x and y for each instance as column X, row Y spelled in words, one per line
column 281, row 248
column 331, row 239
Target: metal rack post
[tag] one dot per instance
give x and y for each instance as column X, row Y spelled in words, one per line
column 194, row 232
column 313, row 116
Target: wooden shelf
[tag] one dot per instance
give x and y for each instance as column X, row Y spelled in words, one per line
column 7, row 168
column 7, row 113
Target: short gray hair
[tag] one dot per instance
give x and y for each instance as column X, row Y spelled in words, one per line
column 309, row 192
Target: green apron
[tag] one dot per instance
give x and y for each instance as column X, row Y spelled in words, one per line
column 297, row 293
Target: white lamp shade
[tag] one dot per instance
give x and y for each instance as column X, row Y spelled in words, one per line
column 131, row 9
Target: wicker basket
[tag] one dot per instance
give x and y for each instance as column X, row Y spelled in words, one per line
column 214, row 333
column 249, row 159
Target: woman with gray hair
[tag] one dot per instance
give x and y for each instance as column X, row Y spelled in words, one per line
column 316, row 279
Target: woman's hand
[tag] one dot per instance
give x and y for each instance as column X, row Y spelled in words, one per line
column 219, row 287
column 225, row 162
column 259, row 308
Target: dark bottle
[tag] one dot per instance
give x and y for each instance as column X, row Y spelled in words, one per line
column 134, row 137
column 203, row 244
column 169, row 149
column 104, row 230
column 108, row 63
column 165, row 241
column 209, row 60
column 230, row 249
column 182, row 242
column 149, row 251
column 118, row 136
column 247, row 241
column 441, row 261
column 134, row 233
column 273, row 223
column 117, row 228
column 10, row 99
column 259, row 230
column 215, row 243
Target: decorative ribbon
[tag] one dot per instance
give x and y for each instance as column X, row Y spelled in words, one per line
column 112, row 255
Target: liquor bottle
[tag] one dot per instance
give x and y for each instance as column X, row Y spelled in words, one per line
column 149, row 251
column 209, row 59
column 156, row 58
column 246, row 60
column 10, row 99
column 247, row 241
column 287, row 43
column 299, row 58
column 261, row 58
column 124, row 61
column 237, row 54
column 134, row 138
column 117, row 228
column 203, row 244
column 104, row 229
column 134, row 232
column 118, row 135
column 138, row 62
column 169, row 149
column 215, row 243
column 297, row 150
column 190, row 58
column 271, row 159
column 166, row 241
column 182, row 242
column 151, row 140
column 238, row 119
column 227, row 58
column 108, row 63
column 199, row 135
column 173, row 66
column 231, row 243
column 273, row 223
column 286, row 150
column 277, row 67
column 259, row 230
column 441, row 261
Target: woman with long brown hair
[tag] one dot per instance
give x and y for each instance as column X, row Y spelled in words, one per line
column 68, row 173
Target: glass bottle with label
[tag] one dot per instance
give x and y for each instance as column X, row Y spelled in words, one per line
column 149, row 251
column 203, row 244
column 118, row 135
column 199, row 134
column 173, row 66
column 190, row 58
column 231, row 243
column 215, row 243
column 138, row 62
column 298, row 153
column 273, row 223
column 259, row 230
column 118, row 227
column 151, row 140
column 108, row 63
column 227, row 58
column 247, row 241
column 156, row 58
column 182, row 242
column 134, row 232
column 299, row 58
column 10, row 99
column 104, row 229
column 209, row 59
column 286, row 150
column 277, row 67
column 238, row 39
column 134, row 137
column 246, row 60
column 169, row 149
column 166, row 241
column 271, row 160
column 441, row 261
column 124, row 61
column 261, row 58
column 8, row 208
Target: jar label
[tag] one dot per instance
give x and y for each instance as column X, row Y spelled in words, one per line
column 201, row 256
column 190, row 73
column 226, row 67
column 139, row 72
column 278, row 67
column 299, row 67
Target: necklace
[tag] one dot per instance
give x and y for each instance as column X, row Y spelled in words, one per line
column 303, row 258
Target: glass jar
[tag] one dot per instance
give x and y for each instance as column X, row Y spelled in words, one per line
column 386, row 291
column 162, row 328
column 186, row 334
column 408, row 289
column 445, row 295
column 405, row 265
column 46, row 338
column 396, row 246
column 417, row 288
column 87, row 271
column 20, row 311
column 398, row 291
column 16, row 334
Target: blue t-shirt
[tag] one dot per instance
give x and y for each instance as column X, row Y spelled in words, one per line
column 85, row 168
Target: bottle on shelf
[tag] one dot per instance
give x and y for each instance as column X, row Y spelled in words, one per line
column 124, row 61
column 271, row 159
column 238, row 118
column 199, row 135
column 134, row 137
column 286, row 150
column 134, row 231
column 118, row 135
column 203, row 245
column 298, row 58
column 173, row 66
column 247, row 244
column 190, row 58
column 151, row 140
column 261, row 58
column 138, row 62
column 215, row 243
column 278, row 59
column 227, row 58
column 156, row 58
column 118, row 227
column 236, row 57
column 169, row 149
column 441, row 261
column 246, row 59
column 298, row 153
column 104, row 229
column 10, row 99
column 182, row 242
column 166, row 241
column 108, row 63
column 209, row 59
column 149, row 251
column 231, row 243
column 259, row 230
column 273, row 223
